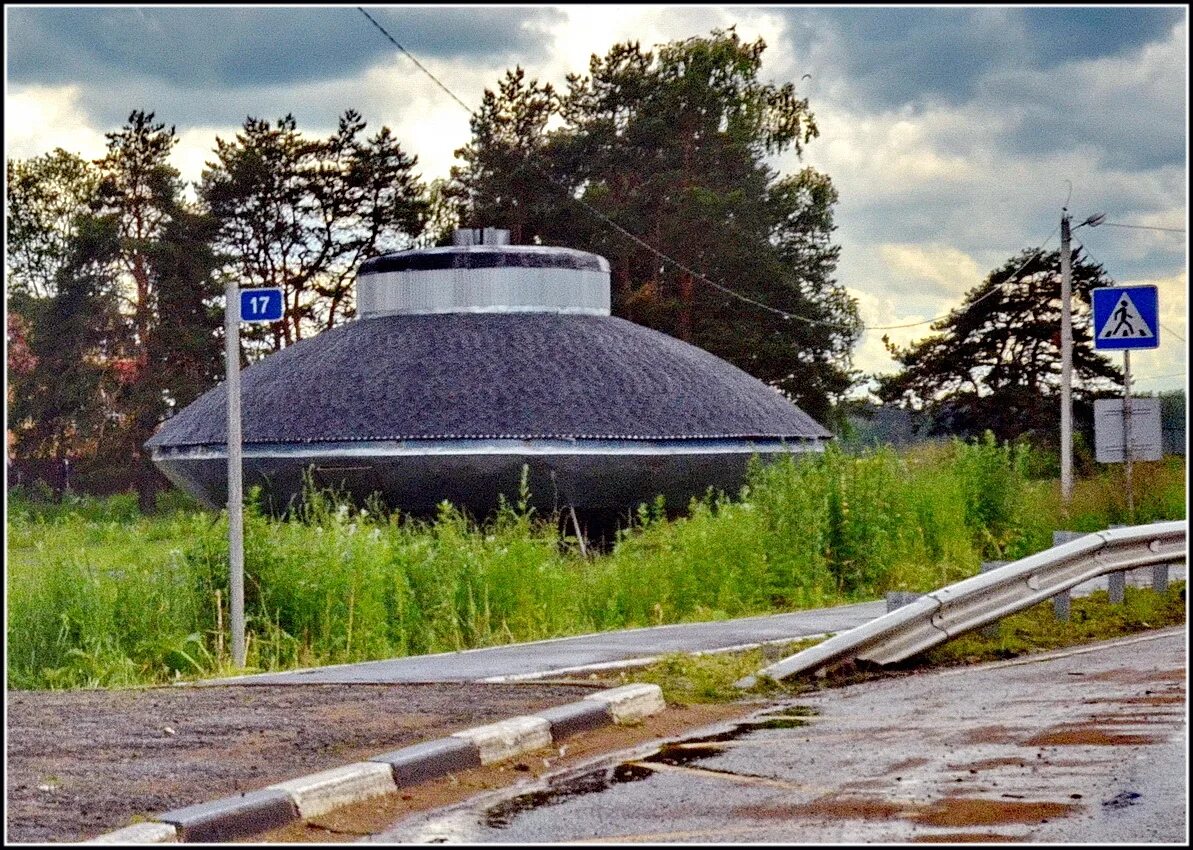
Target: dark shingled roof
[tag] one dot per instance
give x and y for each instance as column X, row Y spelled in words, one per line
column 469, row 375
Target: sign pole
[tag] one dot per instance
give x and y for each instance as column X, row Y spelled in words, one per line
column 1126, row 318
column 235, row 471
column 1127, row 435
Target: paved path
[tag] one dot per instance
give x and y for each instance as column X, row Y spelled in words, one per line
column 632, row 647
column 1083, row 745
column 552, row 657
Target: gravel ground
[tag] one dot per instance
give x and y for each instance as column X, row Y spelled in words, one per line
column 84, row 762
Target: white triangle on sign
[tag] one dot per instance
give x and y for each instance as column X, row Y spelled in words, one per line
column 1125, row 322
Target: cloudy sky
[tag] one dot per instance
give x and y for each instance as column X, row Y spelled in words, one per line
column 953, row 135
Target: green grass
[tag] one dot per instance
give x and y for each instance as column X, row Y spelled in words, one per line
column 99, row 595
column 688, row 679
column 1091, row 618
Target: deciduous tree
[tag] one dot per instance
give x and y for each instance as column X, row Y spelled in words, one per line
column 44, row 195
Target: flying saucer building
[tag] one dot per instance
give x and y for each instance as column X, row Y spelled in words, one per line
column 469, row 362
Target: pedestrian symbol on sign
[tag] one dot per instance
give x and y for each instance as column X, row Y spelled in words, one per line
column 1125, row 322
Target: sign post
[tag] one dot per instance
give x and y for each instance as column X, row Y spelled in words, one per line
column 1126, row 318
column 251, row 305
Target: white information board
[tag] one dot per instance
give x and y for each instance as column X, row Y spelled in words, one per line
column 1146, row 436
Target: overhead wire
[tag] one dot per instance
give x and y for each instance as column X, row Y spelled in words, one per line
column 414, row 59
column 1142, row 227
column 663, row 257
column 1158, row 377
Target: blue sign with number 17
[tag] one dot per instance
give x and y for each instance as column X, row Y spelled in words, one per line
column 260, row 305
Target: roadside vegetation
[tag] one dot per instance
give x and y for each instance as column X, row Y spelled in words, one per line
column 101, row 595
column 690, row 679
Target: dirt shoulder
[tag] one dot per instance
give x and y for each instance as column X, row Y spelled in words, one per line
column 84, row 762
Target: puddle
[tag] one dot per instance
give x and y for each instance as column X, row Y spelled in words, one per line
column 1086, row 735
column 964, row 837
column 950, row 811
column 1122, row 800
column 906, row 764
column 503, row 814
column 959, row 811
column 834, row 808
column 677, row 755
column 997, row 734
column 780, row 723
column 990, row 764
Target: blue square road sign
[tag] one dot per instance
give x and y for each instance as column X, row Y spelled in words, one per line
column 261, row 305
column 1126, row 317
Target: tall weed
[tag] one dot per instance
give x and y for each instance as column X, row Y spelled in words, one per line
column 100, row 596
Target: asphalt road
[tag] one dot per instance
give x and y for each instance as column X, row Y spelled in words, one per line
column 1082, row 745
column 553, row 657
column 558, row 656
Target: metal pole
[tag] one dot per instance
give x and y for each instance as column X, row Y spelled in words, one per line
column 1066, row 364
column 235, row 487
column 1127, row 435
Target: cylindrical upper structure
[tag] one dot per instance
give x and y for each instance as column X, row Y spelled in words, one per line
column 468, row 364
column 483, row 279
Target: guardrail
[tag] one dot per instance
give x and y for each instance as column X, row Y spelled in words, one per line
column 943, row 614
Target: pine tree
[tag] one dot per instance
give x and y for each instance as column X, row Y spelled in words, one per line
column 301, row 214
column 994, row 362
column 672, row 146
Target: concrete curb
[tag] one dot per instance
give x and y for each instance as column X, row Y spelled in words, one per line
column 237, row 817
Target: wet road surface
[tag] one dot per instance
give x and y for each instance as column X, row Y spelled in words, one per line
column 1080, row 745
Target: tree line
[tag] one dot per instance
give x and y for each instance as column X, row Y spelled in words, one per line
column 116, row 268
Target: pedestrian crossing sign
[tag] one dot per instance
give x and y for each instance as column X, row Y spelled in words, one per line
column 1126, row 317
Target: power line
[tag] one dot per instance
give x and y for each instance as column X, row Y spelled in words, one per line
column 1159, row 377
column 1142, row 227
column 413, row 59
column 1008, row 279
column 671, row 260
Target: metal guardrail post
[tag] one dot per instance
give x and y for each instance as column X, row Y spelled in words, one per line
column 1116, row 583
column 1116, row 586
column 1160, row 578
column 1062, row 603
column 992, row 631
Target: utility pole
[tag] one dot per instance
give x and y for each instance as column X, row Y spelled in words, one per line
column 235, row 471
column 1066, row 363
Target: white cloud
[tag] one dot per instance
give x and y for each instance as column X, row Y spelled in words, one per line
column 195, row 147
column 882, row 310
column 38, row 119
column 952, row 272
column 933, row 194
